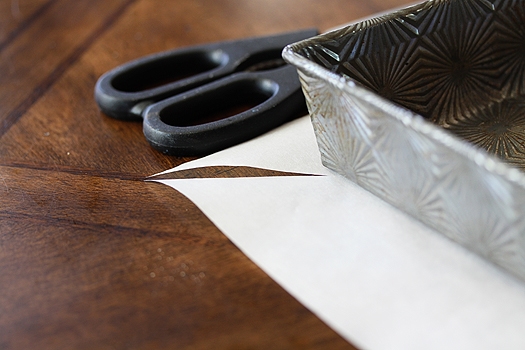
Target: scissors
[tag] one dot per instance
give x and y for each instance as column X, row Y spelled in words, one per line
column 183, row 95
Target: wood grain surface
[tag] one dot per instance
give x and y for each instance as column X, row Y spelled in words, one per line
column 91, row 256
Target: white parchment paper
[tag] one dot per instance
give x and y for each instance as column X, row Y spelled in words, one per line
column 375, row 275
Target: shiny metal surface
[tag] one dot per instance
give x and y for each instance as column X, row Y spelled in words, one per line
column 425, row 108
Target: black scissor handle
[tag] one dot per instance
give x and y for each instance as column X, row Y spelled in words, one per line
column 125, row 91
column 276, row 94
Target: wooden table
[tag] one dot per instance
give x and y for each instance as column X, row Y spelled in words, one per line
column 91, row 256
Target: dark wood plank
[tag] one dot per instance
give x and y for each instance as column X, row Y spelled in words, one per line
column 93, row 257
column 82, row 268
column 43, row 52
column 101, row 287
column 47, row 194
column 16, row 16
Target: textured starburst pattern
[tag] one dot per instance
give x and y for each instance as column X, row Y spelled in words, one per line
column 389, row 73
column 458, row 71
column 345, row 151
column 510, row 48
column 420, row 107
column 444, row 60
column 499, row 129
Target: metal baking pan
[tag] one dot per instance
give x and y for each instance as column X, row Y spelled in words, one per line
column 425, row 107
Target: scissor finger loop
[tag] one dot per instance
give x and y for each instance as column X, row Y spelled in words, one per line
column 193, row 123
column 184, row 94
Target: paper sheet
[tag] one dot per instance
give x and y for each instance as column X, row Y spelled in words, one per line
column 290, row 148
column 378, row 277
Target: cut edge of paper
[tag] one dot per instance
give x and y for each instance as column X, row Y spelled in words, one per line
column 288, row 148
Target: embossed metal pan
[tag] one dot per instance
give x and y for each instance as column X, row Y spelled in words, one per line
column 425, row 107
